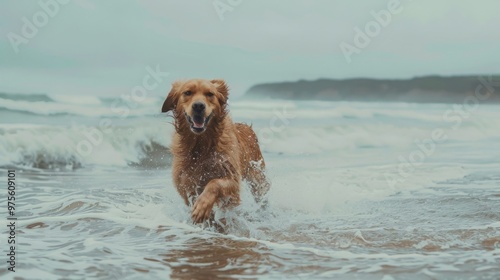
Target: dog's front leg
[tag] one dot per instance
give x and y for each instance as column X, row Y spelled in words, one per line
column 214, row 190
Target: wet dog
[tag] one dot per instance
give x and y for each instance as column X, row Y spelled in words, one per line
column 211, row 154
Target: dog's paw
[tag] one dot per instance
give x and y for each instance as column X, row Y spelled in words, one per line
column 203, row 207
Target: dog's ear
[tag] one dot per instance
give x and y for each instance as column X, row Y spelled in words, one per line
column 222, row 88
column 173, row 96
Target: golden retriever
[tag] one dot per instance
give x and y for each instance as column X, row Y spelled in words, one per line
column 211, row 154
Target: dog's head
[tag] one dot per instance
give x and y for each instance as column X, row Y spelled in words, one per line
column 198, row 101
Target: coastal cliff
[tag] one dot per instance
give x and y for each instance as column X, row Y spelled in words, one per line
column 421, row 89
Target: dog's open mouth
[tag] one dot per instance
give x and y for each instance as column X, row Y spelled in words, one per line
column 198, row 122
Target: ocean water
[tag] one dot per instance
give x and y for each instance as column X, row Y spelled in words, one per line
column 359, row 191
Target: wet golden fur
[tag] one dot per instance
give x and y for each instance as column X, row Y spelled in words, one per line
column 208, row 167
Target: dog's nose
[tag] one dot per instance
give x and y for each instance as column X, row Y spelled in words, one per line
column 198, row 106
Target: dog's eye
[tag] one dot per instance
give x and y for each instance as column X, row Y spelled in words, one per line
column 188, row 93
column 210, row 94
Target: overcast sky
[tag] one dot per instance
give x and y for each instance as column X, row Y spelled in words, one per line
column 103, row 47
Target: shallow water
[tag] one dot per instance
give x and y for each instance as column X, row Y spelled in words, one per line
column 91, row 224
column 339, row 207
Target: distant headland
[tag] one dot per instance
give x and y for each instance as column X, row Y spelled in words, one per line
column 428, row 89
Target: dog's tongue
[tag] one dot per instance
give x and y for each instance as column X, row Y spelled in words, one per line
column 198, row 125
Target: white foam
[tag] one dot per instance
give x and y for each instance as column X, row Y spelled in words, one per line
column 80, row 144
column 76, row 99
column 89, row 107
